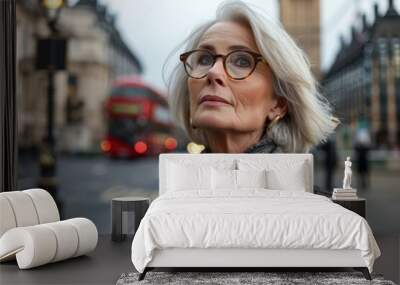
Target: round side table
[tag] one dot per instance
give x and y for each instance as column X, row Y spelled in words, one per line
column 126, row 214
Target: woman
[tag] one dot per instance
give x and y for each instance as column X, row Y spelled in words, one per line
column 243, row 85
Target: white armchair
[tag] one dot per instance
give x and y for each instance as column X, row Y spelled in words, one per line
column 31, row 230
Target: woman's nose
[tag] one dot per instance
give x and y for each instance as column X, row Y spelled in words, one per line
column 217, row 72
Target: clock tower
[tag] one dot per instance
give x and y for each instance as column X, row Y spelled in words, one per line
column 301, row 19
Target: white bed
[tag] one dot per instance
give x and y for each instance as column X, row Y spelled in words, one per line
column 201, row 219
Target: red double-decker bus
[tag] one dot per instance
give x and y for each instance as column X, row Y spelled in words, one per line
column 139, row 123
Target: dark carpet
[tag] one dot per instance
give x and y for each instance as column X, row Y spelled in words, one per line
column 229, row 278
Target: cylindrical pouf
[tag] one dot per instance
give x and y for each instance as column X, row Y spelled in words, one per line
column 34, row 245
column 87, row 233
column 23, row 208
column 40, row 244
column 67, row 240
column 26, row 208
column 7, row 218
column 126, row 213
column 45, row 205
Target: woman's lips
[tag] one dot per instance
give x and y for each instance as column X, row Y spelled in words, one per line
column 213, row 100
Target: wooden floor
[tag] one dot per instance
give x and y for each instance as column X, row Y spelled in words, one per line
column 110, row 259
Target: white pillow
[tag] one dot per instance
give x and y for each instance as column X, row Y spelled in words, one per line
column 292, row 180
column 181, row 177
column 251, row 178
column 283, row 173
column 228, row 179
column 196, row 160
column 223, row 179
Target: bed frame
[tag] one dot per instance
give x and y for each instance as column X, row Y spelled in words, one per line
column 248, row 259
column 262, row 259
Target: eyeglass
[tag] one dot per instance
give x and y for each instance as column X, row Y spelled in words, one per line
column 238, row 64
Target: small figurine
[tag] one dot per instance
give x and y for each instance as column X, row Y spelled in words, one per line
column 347, row 174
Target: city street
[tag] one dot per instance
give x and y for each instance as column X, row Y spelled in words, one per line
column 82, row 81
column 383, row 196
column 87, row 185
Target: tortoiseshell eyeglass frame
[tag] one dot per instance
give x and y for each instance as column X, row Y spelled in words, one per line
column 257, row 57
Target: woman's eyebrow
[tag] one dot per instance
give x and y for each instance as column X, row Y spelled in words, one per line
column 207, row 46
column 231, row 48
column 236, row 47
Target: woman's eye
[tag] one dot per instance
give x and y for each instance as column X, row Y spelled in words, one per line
column 204, row 60
column 242, row 62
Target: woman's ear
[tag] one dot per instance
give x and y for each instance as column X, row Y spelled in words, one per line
column 280, row 108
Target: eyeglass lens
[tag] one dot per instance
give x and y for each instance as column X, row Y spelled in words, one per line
column 238, row 64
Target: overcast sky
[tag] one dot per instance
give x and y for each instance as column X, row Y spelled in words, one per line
column 153, row 28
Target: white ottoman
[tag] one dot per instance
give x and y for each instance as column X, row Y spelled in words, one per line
column 31, row 230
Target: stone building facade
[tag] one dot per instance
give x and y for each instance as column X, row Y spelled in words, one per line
column 363, row 83
column 96, row 55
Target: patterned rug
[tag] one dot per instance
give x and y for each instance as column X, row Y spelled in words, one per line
column 242, row 278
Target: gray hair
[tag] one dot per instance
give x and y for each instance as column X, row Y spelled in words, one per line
column 308, row 120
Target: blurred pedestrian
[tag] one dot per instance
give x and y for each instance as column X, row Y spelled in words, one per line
column 361, row 148
column 329, row 148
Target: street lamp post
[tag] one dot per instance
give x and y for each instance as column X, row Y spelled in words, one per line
column 51, row 57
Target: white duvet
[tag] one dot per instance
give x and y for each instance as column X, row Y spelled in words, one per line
column 251, row 218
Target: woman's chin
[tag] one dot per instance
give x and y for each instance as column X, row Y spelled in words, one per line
column 211, row 124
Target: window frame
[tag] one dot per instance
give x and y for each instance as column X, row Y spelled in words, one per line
column 8, row 119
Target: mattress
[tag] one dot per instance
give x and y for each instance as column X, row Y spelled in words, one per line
column 250, row 218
